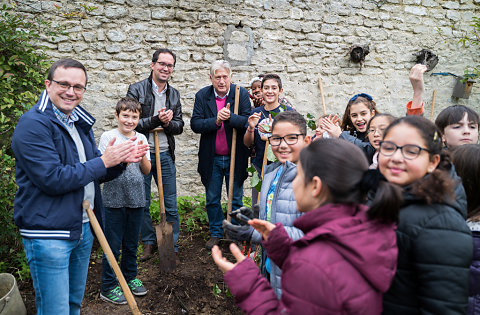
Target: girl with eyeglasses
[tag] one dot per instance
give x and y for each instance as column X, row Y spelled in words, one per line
column 375, row 129
column 434, row 242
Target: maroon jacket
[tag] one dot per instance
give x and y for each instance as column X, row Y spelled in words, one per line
column 342, row 265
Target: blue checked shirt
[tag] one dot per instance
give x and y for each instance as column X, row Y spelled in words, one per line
column 67, row 120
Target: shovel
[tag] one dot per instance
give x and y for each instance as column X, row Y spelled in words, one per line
column 110, row 257
column 232, row 157
column 163, row 230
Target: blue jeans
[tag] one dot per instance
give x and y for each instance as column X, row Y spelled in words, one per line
column 122, row 226
column 221, row 169
column 59, row 272
column 169, row 181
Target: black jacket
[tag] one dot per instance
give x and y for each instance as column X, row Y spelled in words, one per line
column 435, row 250
column 142, row 91
column 204, row 122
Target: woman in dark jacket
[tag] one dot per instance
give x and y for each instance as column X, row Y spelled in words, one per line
column 434, row 242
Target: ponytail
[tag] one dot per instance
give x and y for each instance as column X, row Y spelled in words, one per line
column 388, row 197
column 437, row 186
column 344, row 171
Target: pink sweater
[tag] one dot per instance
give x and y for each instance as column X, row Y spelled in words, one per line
column 221, row 146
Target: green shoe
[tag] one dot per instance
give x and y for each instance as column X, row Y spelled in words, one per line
column 137, row 287
column 114, row 296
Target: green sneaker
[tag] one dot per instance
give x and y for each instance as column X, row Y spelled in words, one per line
column 114, row 296
column 137, row 287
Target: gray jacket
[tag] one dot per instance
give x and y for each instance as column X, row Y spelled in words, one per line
column 284, row 210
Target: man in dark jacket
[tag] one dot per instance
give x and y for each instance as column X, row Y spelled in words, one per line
column 213, row 117
column 161, row 107
column 58, row 166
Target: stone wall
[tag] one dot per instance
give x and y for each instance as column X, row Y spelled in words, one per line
column 301, row 40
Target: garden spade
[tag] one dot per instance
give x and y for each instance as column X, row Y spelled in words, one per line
column 110, row 257
column 163, row 230
column 233, row 152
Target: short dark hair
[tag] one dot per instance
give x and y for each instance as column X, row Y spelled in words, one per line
column 293, row 117
column 164, row 51
column 465, row 159
column 128, row 103
column 453, row 114
column 272, row 76
column 66, row 63
column 390, row 118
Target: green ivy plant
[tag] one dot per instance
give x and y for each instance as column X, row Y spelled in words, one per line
column 23, row 65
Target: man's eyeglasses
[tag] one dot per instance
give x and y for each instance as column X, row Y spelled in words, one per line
column 168, row 65
column 365, row 95
column 289, row 139
column 64, row 86
column 409, row 151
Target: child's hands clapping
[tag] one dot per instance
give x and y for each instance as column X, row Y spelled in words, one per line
column 223, row 264
column 258, row 99
column 331, row 125
column 140, row 150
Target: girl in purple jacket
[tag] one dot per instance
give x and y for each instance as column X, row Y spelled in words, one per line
column 348, row 255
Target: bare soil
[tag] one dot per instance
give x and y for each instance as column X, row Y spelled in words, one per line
column 192, row 288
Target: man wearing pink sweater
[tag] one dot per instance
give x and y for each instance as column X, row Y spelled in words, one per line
column 213, row 117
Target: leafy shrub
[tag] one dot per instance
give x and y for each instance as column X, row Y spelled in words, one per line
column 22, row 71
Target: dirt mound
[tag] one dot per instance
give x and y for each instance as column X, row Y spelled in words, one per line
column 195, row 287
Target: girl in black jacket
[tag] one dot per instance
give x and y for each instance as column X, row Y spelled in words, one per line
column 434, row 242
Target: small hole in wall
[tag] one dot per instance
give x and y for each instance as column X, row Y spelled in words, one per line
column 239, row 25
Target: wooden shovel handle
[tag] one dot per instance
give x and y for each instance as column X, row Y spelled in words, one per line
column 233, row 152
column 159, row 174
column 111, row 258
column 434, row 96
column 320, row 85
column 264, row 163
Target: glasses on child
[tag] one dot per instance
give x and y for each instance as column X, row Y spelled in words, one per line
column 409, row 151
column 64, row 86
column 289, row 139
column 365, row 95
column 380, row 130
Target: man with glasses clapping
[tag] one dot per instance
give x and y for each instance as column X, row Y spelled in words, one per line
column 161, row 107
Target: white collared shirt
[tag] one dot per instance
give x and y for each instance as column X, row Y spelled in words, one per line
column 155, row 88
column 217, row 96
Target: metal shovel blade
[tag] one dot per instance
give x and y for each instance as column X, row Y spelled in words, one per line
column 165, row 245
